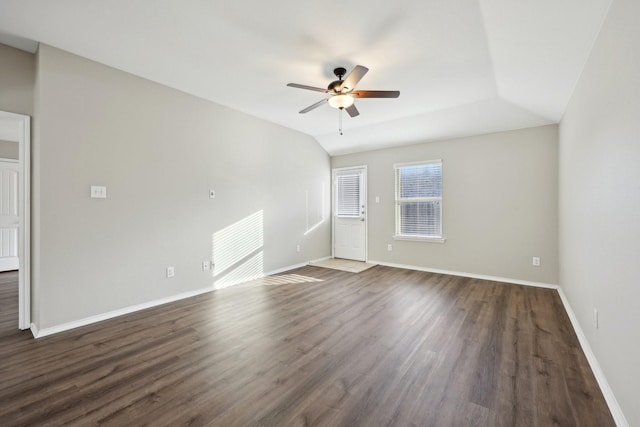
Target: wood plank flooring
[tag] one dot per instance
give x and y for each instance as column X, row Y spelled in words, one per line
column 311, row 347
column 8, row 303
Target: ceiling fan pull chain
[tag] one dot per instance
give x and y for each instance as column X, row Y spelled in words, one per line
column 340, row 120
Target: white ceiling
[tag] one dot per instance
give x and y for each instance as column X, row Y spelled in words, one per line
column 463, row 67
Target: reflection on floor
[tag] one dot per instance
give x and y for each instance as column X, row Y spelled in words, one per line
column 344, row 265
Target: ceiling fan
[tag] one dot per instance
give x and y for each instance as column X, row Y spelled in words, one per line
column 342, row 93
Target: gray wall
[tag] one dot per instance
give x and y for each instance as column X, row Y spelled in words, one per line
column 499, row 204
column 600, row 202
column 16, row 80
column 159, row 151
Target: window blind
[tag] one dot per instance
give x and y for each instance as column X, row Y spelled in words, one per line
column 348, row 195
column 419, row 200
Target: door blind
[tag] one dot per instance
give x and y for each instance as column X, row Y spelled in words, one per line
column 347, row 195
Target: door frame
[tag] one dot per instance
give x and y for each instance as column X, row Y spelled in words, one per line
column 24, row 222
column 366, row 208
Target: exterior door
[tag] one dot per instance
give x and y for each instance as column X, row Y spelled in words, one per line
column 9, row 219
column 349, row 213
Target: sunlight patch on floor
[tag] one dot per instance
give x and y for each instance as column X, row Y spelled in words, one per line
column 282, row 279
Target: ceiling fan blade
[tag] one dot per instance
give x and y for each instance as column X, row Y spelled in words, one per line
column 354, row 77
column 376, row 93
column 313, row 106
column 352, row 110
column 315, row 89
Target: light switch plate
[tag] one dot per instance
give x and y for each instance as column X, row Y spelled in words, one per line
column 98, row 192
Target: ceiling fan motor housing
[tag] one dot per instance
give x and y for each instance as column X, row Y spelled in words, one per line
column 335, row 86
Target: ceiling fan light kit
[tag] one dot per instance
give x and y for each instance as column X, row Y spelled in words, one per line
column 341, row 92
column 341, row 101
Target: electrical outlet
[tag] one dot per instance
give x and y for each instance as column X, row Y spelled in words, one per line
column 171, row 271
column 206, row 265
column 298, row 248
column 536, row 261
column 595, row 318
column 389, row 247
column 377, row 199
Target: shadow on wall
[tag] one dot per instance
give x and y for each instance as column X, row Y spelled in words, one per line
column 238, row 251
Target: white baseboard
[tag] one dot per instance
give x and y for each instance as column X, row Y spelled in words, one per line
column 293, row 267
column 283, row 269
column 614, row 407
column 39, row 333
column 471, row 275
column 324, row 258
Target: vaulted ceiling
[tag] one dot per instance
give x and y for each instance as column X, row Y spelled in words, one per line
column 463, row 67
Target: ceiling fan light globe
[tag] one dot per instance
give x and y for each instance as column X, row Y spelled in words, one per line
column 341, row 101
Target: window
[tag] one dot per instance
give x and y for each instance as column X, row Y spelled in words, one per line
column 348, row 194
column 419, row 200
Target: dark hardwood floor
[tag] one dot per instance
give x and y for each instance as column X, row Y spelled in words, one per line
column 386, row 347
column 8, row 303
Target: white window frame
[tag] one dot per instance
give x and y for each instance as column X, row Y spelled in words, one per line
column 398, row 201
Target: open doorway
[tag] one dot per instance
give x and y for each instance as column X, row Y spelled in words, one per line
column 15, row 197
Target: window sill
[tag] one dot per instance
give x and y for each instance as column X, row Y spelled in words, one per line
column 420, row 239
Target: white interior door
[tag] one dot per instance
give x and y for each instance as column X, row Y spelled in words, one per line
column 16, row 128
column 350, row 213
column 9, row 215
